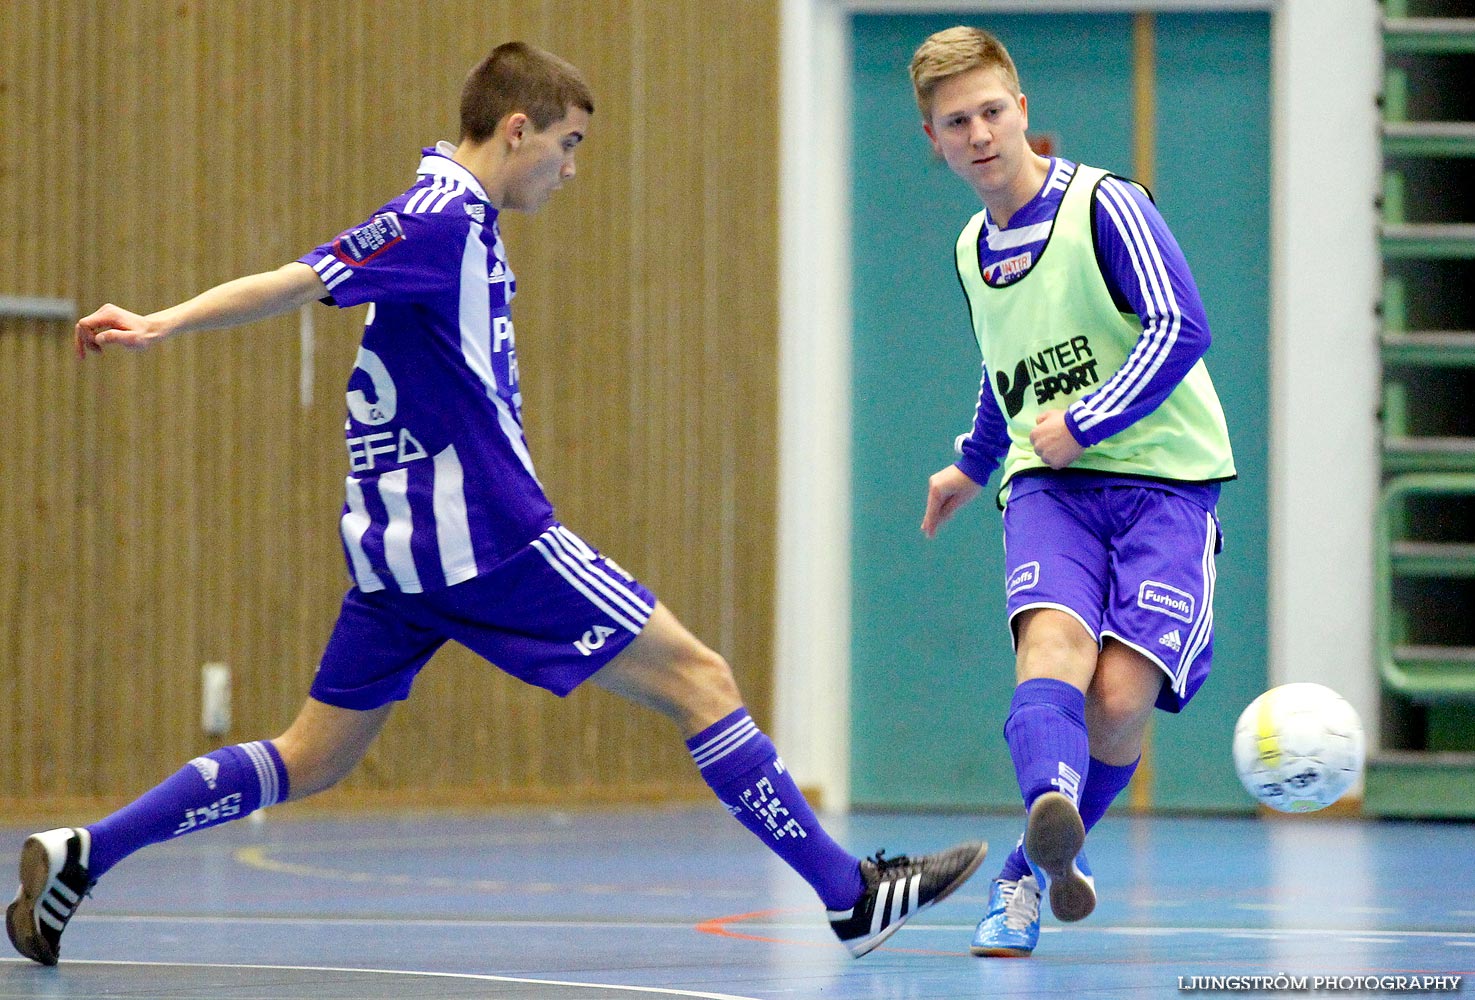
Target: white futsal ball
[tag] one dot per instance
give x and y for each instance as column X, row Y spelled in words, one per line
column 1298, row 747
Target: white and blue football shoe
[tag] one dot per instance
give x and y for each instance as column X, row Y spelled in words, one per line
column 1011, row 926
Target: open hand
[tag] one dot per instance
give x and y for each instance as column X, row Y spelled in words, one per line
column 947, row 491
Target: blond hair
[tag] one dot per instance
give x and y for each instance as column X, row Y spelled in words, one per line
column 958, row 50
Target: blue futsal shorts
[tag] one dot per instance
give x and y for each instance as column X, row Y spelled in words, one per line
column 1131, row 563
column 551, row 616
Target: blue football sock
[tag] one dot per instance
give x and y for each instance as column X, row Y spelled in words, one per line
column 740, row 764
column 1016, row 865
column 1103, row 784
column 230, row 783
column 1046, row 733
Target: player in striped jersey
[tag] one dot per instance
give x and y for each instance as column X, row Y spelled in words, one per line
column 448, row 535
column 1096, row 403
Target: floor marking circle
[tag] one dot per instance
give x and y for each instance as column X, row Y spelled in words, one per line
column 470, row 976
column 260, row 857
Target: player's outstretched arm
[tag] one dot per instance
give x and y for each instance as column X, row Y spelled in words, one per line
column 947, row 491
column 243, row 300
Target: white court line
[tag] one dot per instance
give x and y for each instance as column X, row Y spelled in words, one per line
column 663, row 991
column 1132, row 929
column 217, row 918
column 791, row 925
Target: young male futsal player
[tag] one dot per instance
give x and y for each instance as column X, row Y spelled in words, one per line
column 448, row 535
column 1096, row 402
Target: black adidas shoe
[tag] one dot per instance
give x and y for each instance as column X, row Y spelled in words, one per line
column 53, row 880
column 899, row 888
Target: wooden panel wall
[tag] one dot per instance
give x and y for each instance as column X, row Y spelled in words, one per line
column 176, row 507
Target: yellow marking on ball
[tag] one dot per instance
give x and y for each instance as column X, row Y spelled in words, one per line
column 1267, row 738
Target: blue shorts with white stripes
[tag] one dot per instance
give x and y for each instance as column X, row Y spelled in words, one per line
column 1131, row 563
column 551, row 616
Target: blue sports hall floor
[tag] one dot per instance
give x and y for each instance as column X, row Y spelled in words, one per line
column 682, row 902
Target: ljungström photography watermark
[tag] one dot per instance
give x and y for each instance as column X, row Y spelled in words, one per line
column 1285, row 983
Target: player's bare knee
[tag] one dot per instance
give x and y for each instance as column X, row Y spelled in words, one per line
column 1116, row 723
column 709, row 686
column 310, row 767
column 714, row 676
column 702, row 689
column 1106, row 710
column 1063, row 653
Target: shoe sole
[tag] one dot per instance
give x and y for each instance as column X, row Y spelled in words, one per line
column 20, row 917
column 857, row 949
column 1053, row 837
column 993, row 951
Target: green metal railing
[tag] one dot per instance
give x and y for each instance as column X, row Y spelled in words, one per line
column 1413, row 667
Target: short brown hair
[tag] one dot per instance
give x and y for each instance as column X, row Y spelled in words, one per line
column 520, row 77
column 953, row 51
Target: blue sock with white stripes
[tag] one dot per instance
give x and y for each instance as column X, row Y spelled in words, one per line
column 230, row 783
column 743, row 768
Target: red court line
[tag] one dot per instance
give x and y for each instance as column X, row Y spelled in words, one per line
column 718, row 927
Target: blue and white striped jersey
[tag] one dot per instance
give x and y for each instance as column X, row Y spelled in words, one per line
column 1145, row 272
column 440, row 487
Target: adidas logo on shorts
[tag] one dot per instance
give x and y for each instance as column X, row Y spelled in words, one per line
column 1173, row 640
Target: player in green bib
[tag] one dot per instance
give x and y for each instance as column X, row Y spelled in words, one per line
column 1096, row 403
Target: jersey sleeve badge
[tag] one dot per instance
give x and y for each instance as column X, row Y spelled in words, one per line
column 360, row 245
